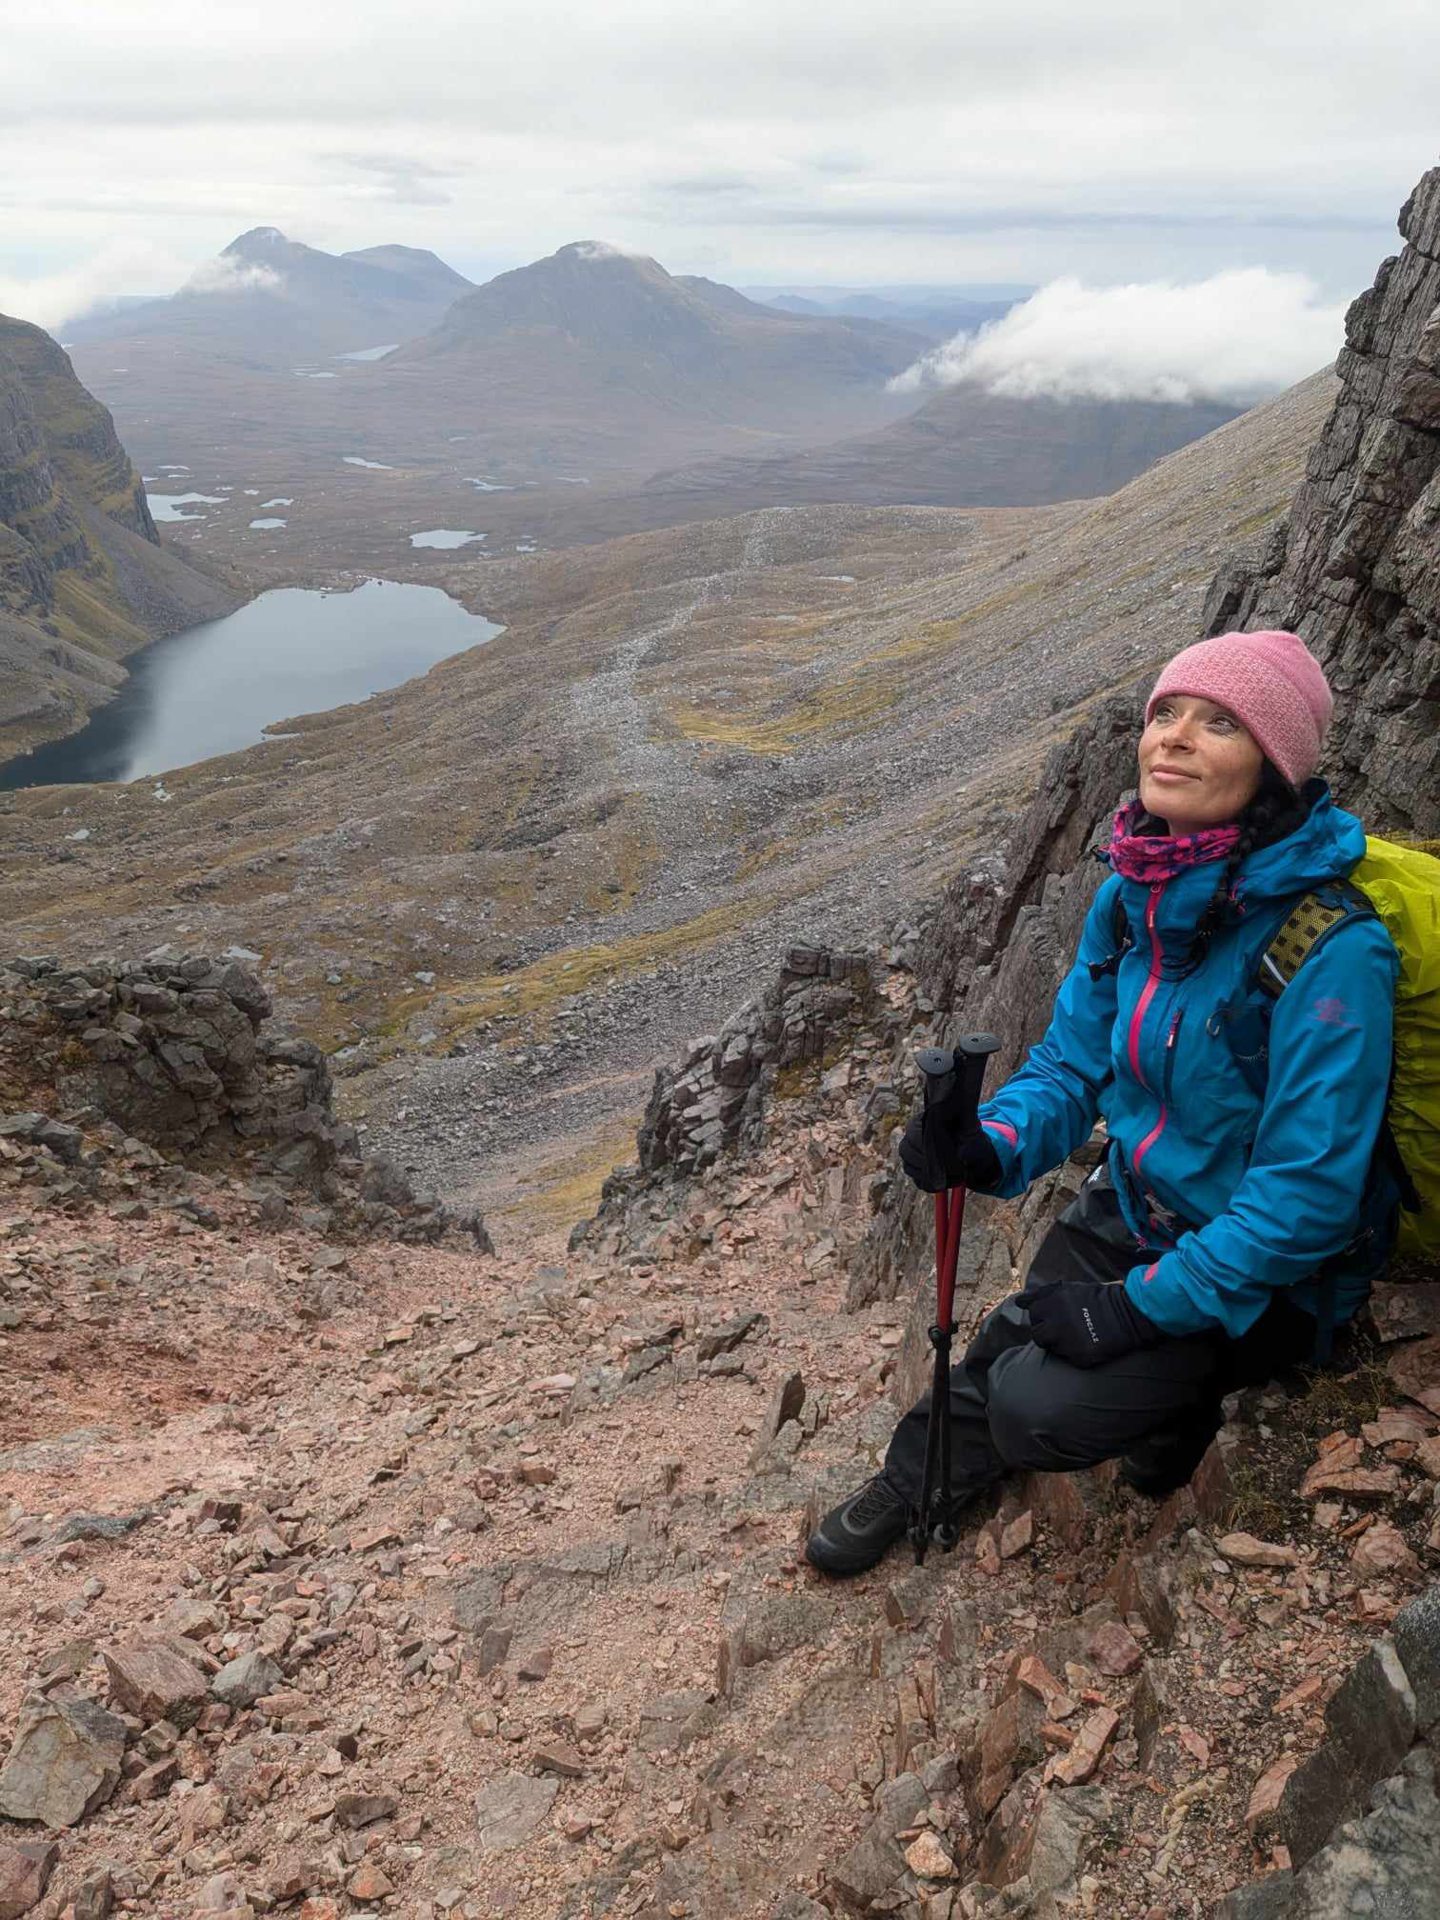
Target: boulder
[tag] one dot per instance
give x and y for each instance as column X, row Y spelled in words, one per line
column 510, row 1808
column 1415, row 1633
column 64, row 1761
column 154, row 1682
column 241, row 1682
column 1371, row 1724
column 1385, row 1864
column 729, row 1334
column 1040, row 1836
column 25, row 1870
column 356, row 1810
column 875, row 1863
column 94, row 1898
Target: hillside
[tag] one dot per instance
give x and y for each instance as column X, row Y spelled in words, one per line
column 502, row 890
column 83, row 579
column 962, row 448
column 595, row 315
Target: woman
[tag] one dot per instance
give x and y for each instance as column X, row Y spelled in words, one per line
column 1192, row 1260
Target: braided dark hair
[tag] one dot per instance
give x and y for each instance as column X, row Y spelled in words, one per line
column 1276, row 811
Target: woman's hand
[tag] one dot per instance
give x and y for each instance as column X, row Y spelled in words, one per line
column 1087, row 1322
column 935, row 1158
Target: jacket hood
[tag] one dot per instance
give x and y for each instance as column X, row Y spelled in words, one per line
column 1325, row 847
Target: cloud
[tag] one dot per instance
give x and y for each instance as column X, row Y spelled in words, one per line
column 924, row 142
column 699, row 186
column 402, row 181
column 1237, row 336
column 50, row 299
column 228, row 274
column 602, row 250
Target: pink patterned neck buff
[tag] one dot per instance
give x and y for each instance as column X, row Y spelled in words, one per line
column 1153, row 857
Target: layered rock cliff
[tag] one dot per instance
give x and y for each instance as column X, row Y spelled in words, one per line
column 1356, row 566
column 83, row 578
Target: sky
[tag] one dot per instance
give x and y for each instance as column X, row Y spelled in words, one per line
column 770, row 142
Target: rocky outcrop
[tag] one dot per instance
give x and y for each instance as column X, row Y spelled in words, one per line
column 712, row 1102
column 78, row 433
column 57, row 450
column 1356, row 566
column 173, row 1053
column 1359, row 1817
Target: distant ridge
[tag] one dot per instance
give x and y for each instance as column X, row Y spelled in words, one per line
column 590, row 327
column 272, row 300
column 963, row 448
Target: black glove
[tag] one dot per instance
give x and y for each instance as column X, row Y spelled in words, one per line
column 1087, row 1322
column 936, row 1158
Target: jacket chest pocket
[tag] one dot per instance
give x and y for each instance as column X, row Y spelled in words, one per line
column 1241, row 1030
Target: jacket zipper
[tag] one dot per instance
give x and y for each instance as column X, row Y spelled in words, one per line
column 1170, row 1039
column 1137, row 1020
column 1148, row 991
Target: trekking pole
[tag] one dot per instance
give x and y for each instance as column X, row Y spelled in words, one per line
column 946, row 1073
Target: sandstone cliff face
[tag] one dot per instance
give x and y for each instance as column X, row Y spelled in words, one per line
column 1356, row 568
column 83, row 580
column 58, row 453
column 42, row 534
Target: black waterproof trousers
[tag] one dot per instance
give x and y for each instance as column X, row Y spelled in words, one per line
column 1014, row 1406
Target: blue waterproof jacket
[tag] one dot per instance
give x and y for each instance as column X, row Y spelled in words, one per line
column 1240, row 1189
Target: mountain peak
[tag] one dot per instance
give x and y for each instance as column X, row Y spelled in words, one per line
column 259, row 240
column 598, row 250
column 415, row 264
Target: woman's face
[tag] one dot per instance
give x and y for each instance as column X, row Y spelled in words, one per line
column 1198, row 766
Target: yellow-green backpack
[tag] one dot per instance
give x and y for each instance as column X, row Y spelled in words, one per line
column 1402, row 885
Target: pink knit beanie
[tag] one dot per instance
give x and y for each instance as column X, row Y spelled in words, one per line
column 1273, row 685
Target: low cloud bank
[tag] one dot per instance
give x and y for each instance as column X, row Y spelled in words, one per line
column 228, row 274
column 1238, row 336
column 50, row 300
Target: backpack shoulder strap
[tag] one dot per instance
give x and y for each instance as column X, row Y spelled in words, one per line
column 1309, row 921
column 1121, row 935
column 1313, row 917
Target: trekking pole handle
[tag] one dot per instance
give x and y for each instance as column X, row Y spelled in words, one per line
column 963, row 1064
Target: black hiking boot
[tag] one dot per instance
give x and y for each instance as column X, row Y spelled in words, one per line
column 1166, row 1461
column 861, row 1530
